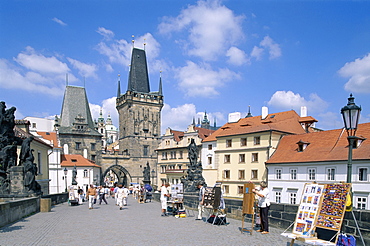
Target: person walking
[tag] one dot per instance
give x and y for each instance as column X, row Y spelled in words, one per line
column 91, row 195
column 125, row 195
column 164, row 195
column 201, row 200
column 121, row 196
column 102, row 195
column 264, row 205
column 80, row 195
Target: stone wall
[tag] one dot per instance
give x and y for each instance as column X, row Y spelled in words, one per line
column 57, row 198
column 283, row 215
column 13, row 210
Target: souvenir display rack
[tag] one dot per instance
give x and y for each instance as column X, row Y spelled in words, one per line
column 320, row 214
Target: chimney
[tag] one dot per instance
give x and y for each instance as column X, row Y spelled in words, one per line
column 303, row 111
column 265, row 112
column 234, row 117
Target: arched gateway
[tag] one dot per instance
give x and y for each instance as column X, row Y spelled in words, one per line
column 120, row 175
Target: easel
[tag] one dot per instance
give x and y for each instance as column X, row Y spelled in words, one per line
column 248, row 205
column 213, row 204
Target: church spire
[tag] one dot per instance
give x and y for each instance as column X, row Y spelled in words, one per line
column 119, row 86
column 249, row 112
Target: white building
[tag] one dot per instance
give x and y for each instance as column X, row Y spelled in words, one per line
column 320, row 157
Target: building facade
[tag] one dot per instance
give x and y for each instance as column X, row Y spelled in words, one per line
column 320, row 157
column 236, row 153
column 173, row 153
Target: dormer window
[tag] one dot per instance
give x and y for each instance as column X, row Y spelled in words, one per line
column 302, row 145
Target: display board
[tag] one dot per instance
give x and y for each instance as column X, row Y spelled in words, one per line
column 248, row 198
column 177, row 192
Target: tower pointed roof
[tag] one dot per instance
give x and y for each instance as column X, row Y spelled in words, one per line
column 160, row 92
column 75, row 105
column 138, row 78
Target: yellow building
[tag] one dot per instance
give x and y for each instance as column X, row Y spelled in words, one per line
column 244, row 145
column 173, row 153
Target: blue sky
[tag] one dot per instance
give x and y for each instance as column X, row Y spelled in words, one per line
column 215, row 56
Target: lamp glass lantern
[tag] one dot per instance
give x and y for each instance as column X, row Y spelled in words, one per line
column 351, row 116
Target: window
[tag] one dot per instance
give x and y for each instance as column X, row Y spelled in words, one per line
column 209, row 160
column 39, row 163
column 240, row 189
column 78, row 145
column 93, row 157
column 179, row 166
column 293, row 198
column 180, row 154
column 93, row 146
column 228, row 143
column 243, row 142
column 278, row 196
column 209, row 146
column 101, row 131
column 361, row 202
column 254, row 157
column 293, row 174
column 226, row 189
column 362, row 174
column 241, row 158
column 163, row 168
column 227, row 159
column 254, row 174
column 226, row 174
column 241, row 174
column 173, row 154
column 86, row 173
column 330, row 174
column 311, row 174
column 164, row 155
column 33, row 125
column 145, row 150
column 257, row 140
column 278, row 173
column 167, row 142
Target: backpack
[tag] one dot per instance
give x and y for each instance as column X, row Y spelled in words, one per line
column 346, row 240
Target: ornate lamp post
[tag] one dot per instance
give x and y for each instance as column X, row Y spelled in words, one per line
column 351, row 115
column 65, row 177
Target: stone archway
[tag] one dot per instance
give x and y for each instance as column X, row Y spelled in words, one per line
column 122, row 175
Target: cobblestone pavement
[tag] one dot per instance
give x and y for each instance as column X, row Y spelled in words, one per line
column 136, row 224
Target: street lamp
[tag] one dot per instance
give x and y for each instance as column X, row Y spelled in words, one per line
column 65, row 176
column 153, row 175
column 351, row 115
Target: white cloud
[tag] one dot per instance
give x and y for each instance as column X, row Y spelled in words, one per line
column 212, row 28
column 108, row 34
column 59, row 21
column 178, row 118
column 237, row 57
column 358, row 72
column 201, row 80
column 267, row 44
column 287, row 100
column 13, row 78
column 329, row 120
column 32, row 60
column 257, row 53
column 84, row 69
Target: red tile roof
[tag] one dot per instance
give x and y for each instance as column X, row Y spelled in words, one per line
column 51, row 136
column 177, row 135
column 76, row 160
column 288, row 121
column 323, row 146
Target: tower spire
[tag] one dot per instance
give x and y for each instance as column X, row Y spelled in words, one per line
column 160, row 92
column 133, row 41
column 119, row 86
column 249, row 112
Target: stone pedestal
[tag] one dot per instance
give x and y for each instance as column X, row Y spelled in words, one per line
column 45, row 205
column 146, row 182
column 16, row 176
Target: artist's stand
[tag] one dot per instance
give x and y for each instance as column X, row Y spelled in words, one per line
column 252, row 225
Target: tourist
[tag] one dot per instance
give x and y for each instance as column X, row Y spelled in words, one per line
column 80, row 195
column 164, row 195
column 126, row 192
column 115, row 194
column 91, row 196
column 122, row 193
column 264, row 205
column 201, row 200
column 102, row 195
